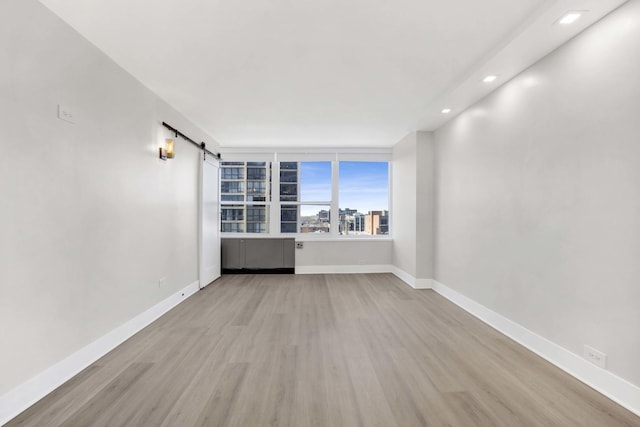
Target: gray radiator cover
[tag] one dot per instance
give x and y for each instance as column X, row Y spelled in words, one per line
column 258, row 253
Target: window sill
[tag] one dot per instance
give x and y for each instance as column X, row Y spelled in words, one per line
column 314, row 238
column 306, row 237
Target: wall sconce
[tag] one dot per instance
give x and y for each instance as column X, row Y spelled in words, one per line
column 168, row 145
column 167, row 152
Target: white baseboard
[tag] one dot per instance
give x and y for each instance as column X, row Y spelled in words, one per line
column 424, row 284
column 22, row 397
column 377, row 268
column 615, row 388
column 410, row 280
column 343, row 269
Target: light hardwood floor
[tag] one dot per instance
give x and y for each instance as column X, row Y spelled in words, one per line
column 321, row 350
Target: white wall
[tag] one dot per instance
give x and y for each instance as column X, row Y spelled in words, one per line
column 403, row 204
column 425, row 210
column 91, row 218
column 373, row 255
column 538, row 196
column 412, row 207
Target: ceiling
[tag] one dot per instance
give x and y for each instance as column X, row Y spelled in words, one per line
column 323, row 73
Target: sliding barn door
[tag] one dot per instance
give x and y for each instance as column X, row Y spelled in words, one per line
column 209, row 221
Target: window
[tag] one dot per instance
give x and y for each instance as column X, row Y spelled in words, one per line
column 254, row 227
column 257, row 219
column 308, row 183
column 364, row 198
column 309, row 196
column 233, row 213
column 232, row 173
column 288, row 166
column 312, row 220
column 232, row 227
column 256, row 213
column 288, row 192
column 315, row 181
column 232, row 187
column 289, row 182
column 257, row 173
column 289, row 213
column 241, row 184
column 289, row 219
column 256, row 187
column 288, row 176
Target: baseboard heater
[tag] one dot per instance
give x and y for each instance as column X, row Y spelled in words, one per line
column 258, row 256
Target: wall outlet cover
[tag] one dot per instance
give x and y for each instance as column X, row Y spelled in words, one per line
column 65, row 114
column 299, row 245
column 596, row 357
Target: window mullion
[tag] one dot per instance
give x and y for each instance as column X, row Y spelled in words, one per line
column 335, row 204
column 274, row 206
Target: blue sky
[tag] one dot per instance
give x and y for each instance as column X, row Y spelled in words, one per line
column 363, row 185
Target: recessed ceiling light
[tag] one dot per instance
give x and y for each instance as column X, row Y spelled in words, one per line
column 446, row 110
column 569, row 18
column 489, row 79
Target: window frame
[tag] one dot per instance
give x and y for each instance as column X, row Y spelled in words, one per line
column 274, row 204
column 248, row 201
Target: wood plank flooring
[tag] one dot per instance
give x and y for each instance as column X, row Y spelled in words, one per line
column 321, row 350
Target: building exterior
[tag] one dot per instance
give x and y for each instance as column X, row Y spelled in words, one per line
column 324, row 215
column 351, row 221
column 249, row 184
column 289, row 192
column 376, row 222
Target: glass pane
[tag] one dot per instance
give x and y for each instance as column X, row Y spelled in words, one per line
column 256, row 188
column 256, row 213
column 288, row 176
column 304, row 219
column 240, row 181
column 232, row 227
column 257, row 219
column 305, row 181
column 289, row 219
column 256, row 228
column 288, row 227
column 232, row 213
column 364, row 198
column 232, row 173
column 288, row 165
column 232, row 198
column 289, row 213
column 315, row 181
column 314, row 219
column 256, row 173
column 231, row 187
column 244, row 218
column 288, row 192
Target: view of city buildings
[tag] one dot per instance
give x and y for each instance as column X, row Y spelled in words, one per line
column 289, row 192
column 352, row 222
column 249, row 185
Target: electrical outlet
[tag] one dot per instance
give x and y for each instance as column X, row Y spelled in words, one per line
column 596, row 357
column 299, row 245
column 161, row 282
column 65, row 114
